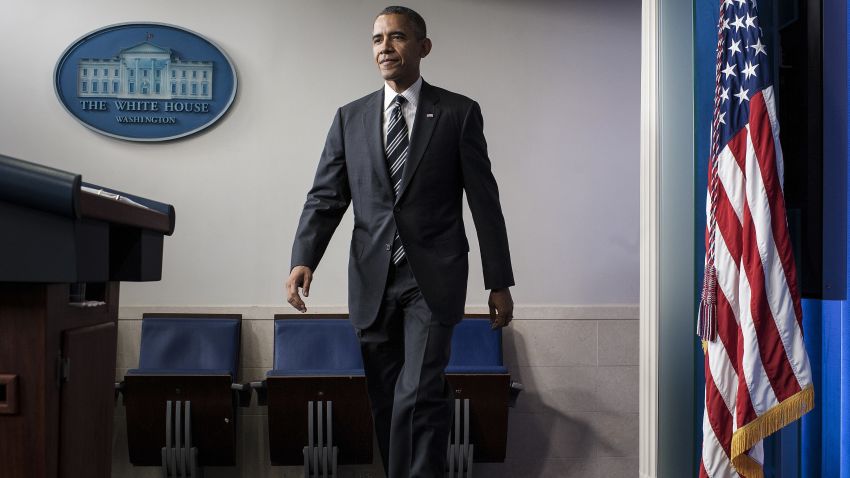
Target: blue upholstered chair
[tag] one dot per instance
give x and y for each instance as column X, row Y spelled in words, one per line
column 318, row 407
column 483, row 392
column 181, row 400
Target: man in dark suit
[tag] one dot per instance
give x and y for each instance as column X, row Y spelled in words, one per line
column 403, row 156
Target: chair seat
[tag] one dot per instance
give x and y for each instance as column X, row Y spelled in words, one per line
column 477, row 369
column 173, row 371
column 351, row 372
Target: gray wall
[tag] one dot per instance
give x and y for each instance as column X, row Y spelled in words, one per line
column 558, row 82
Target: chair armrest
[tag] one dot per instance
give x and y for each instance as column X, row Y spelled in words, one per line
column 262, row 392
column 515, row 389
column 119, row 389
column 243, row 392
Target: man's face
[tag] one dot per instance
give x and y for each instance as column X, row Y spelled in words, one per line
column 397, row 51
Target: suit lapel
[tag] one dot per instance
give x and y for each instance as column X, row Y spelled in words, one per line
column 427, row 115
column 372, row 118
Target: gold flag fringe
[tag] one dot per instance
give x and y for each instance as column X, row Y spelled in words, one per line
column 777, row 417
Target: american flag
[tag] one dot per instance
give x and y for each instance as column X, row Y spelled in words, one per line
column 757, row 373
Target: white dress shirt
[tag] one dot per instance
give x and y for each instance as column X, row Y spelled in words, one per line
column 408, row 109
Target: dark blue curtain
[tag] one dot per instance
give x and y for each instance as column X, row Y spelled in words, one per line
column 705, row 44
column 825, row 434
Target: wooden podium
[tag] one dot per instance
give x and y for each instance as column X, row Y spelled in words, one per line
column 63, row 250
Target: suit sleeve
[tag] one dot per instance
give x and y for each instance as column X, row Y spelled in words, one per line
column 482, row 194
column 326, row 201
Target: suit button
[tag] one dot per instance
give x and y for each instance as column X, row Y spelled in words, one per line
column 389, row 247
column 397, row 209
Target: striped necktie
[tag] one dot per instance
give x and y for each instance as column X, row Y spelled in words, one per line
column 398, row 145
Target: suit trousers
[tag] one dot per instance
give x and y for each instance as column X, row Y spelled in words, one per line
column 405, row 353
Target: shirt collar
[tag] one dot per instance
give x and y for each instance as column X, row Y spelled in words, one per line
column 411, row 94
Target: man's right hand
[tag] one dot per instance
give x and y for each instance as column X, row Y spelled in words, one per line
column 301, row 276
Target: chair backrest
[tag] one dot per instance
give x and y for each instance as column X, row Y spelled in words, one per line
column 318, row 346
column 186, row 343
column 476, row 348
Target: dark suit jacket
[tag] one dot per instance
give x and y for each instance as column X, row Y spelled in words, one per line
column 448, row 154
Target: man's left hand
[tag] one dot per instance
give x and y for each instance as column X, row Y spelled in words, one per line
column 501, row 307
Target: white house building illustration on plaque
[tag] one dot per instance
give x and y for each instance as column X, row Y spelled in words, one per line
column 145, row 71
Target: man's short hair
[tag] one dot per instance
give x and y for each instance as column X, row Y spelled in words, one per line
column 415, row 19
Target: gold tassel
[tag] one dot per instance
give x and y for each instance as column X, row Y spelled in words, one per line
column 747, row 467
column 704, row 347
column 777, row 417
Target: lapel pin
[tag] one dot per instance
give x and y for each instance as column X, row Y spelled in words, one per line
column 430, row 115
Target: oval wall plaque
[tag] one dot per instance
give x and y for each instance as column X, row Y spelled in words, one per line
column 145, row 81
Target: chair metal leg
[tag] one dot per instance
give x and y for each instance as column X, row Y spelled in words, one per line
column 449, row 449
column 167, row 458
column 460, row 451
column 179, row 457
column 306, row 462
column 328, row 454
column 320, row 456
column 187, row 440
column 470, row 461
column 178, row 445
column 191, row 465
column 467, row 452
